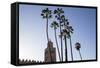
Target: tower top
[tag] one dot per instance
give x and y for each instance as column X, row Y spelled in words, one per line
column 50, row 52
column 50, row 44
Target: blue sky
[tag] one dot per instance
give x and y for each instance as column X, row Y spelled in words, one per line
column 32, row 35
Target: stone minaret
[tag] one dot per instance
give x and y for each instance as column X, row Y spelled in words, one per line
column 47, row 53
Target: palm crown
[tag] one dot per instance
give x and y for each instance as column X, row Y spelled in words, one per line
column 77, row 46
column 54, row 24
column 46, row 13
column 58, row 11
column 67, row 29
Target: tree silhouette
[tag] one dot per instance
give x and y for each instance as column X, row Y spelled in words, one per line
column 58, row 12
column 46, row 14
column 64, row 28
column 70, row 30
column 54, row 25
column 64, row 32
column 67, row 30
column 78, row 46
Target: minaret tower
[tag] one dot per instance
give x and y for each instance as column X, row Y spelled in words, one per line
column 50, row 57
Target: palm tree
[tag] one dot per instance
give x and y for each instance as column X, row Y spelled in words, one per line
column 58, row 13
column 64, row 32
column 78, row 46
column 68, row 30
column 46, row 14
column 54, row 25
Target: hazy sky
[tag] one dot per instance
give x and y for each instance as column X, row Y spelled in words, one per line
column 32, row 35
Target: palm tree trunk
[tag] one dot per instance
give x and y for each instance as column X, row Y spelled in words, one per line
column 80, row 54
column 57, row 44
column 71, row 48
column 61, row 40
column 48, row 39
column 61, row 43
column 66, row 58
column 47, row 30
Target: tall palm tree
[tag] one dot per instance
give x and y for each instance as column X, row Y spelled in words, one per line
column 46, row 14
column 64, row 32
column 67, row 30
column 58, row 12
column 70, row 30
column 54, row 25
column 78, row 46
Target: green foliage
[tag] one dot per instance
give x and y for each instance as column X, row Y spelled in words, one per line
column 54, row 25
column 77, row 46
column 46, row 13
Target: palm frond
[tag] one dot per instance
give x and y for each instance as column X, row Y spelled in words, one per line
column 67, row 23
column 44, row 17
column 42, row 14
column 50, row 16
column 54, row 24
column 77, row 46
column 55, row 11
